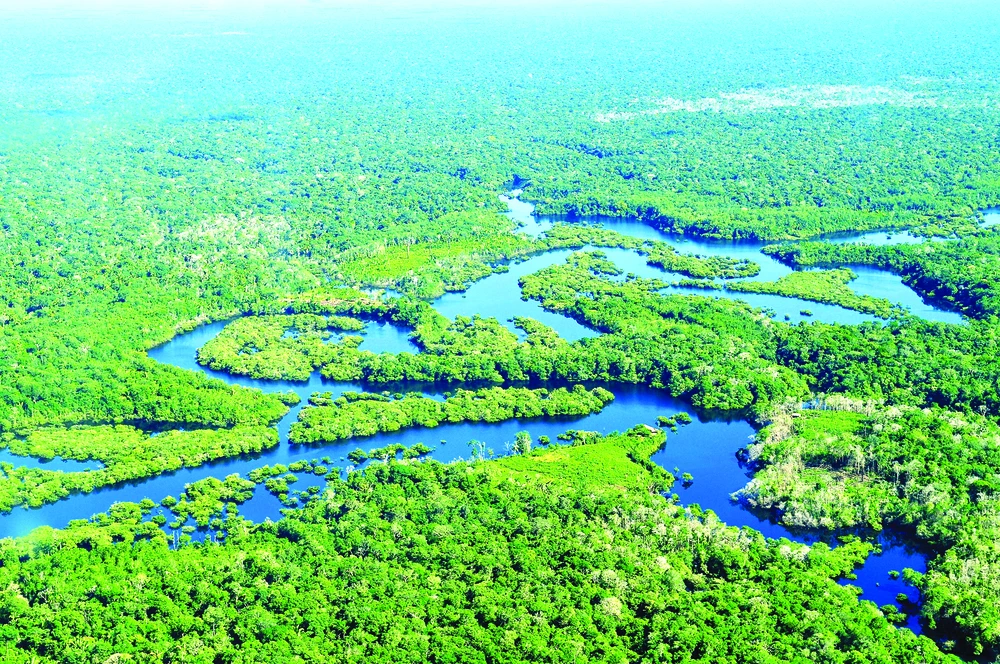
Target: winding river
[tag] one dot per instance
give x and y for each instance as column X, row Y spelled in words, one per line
column 869, row 281
column 706, row 448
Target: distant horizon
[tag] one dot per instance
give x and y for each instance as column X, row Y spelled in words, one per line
column 212, row 5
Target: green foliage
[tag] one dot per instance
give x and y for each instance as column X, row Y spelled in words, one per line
column 126, row 454
column 829, row 286
column 718, row 184
column 351, row 152
column 719, row 354
column 933, row 471
column 660, row 254
column 958, row 274
column 365, row 414
column 636, row 578
column 445, row 260
column 416, row 451
column 274, row 347
column 618, row 462
column 909, row 362
column 205, row 499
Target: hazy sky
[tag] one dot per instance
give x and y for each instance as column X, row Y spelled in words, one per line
column 796, row 5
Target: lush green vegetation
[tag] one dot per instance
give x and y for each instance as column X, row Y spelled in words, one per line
column 464, row 249
column 237, row 204
column 274, row 347
column 660, row 254
column 124, row 452
column 960, row 274
column 159, row 172
column 718, row 354
column 909, row 362
column 563, row 554
column 932, row 471
column 204, row 500
column 353, row 414
column 827, row 286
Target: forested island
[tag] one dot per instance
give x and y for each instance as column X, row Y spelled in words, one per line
column 631, row 332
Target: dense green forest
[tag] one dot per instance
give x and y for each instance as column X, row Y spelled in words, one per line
column 354, row 415
column 960, row 274
column 927, row 469
column 126, row 454
column 304, row 173
column 828, row 286
column 559, row 555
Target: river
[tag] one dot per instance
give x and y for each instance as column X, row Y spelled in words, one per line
column 706, row 448
column 869, row 281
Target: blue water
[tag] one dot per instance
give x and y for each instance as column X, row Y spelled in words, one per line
column 522, row 213
column 879, row 283
column 706, row 448
column 258, row 66
column 877, row 238
column 878, row 586
column 708, row 453
column 991, row 217
column 499, row 296
column 381, row 337
column 870, row 281
column 56, row 463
